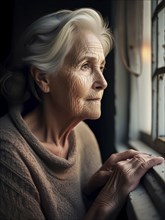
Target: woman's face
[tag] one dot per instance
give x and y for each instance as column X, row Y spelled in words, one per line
column 77, row 89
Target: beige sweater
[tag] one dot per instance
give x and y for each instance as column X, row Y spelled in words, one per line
column 34, row 183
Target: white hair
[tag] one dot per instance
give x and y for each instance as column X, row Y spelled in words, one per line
column 48, row 40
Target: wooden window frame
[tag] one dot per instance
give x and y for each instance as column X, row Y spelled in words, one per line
column 147, row 201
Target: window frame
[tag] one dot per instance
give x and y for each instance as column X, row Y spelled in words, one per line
column 147, row 201
column 157, row 139
column 158, row 65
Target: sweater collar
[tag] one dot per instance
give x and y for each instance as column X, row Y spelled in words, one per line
column 49, row 159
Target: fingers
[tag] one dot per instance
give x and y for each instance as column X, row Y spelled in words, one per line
column 123, row 156
column 130, row 166
column 126, row 155
column 144, row 162
column 133, row 169
column 114, row 158
column 100, row 178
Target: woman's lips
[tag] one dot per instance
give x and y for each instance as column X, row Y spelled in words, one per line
column 94, row 100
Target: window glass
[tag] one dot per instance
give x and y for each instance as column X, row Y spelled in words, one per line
column 161, row 37
column 154, row 4
column 158, row 69
column 161, row 105
column 144, row 80
column 154, row 46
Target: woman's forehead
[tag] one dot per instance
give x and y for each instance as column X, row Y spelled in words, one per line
column 86, row 46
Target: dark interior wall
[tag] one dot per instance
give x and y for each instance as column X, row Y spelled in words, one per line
column 20, row 13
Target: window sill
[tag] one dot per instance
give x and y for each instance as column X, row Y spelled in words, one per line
column 158, row 144
column 147, row 201
column 159, row 171
column 162, row 139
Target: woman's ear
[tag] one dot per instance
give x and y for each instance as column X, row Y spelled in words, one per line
column 41, row 79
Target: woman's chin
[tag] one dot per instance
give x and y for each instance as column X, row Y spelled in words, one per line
column 94, row 115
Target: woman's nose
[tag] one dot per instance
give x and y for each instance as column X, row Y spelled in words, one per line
column 100, row 82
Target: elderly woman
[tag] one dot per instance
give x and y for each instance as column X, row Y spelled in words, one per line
column 50, row 161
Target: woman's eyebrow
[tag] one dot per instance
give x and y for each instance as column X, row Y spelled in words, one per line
column 94, row 58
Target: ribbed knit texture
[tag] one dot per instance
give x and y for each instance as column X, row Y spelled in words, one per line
column 34, row 183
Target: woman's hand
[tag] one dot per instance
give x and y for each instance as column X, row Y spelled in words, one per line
column 118, row 176
column 99, row 179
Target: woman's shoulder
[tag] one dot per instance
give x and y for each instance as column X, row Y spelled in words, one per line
column 85, row 135
column 84, row 131
column 11, row 148
column 11, row 141
column 5, row 124
column 7, row 128
column 86, row 138
column 89, row 149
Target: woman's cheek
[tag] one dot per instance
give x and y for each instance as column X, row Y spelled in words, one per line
column 81, row 85
column 78, row 93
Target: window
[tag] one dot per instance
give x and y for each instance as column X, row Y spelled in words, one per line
column 140, row 97
column 147, row 120
column 158, row 69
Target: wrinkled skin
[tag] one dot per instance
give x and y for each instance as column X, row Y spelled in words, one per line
column 118, row 176
column 72, row 95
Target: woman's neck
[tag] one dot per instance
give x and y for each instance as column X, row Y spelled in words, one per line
column 51, row 129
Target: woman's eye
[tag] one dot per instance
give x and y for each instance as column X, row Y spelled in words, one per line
column 85, row 66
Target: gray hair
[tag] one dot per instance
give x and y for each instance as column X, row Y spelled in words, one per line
column 45, row 45
column 48, row 40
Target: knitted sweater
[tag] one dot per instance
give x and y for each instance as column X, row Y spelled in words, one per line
column 34, row 183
